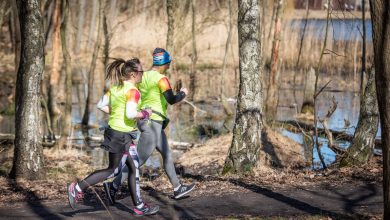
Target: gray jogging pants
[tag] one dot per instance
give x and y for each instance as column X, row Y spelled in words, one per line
column 152, row 137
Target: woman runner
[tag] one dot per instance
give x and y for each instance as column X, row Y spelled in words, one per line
column 121, row 102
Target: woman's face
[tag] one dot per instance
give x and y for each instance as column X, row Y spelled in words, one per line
column 138, row 74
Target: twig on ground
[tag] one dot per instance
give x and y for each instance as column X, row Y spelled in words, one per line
column 100, row 199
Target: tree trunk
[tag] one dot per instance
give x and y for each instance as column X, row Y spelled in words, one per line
column 363, row 142
column 91, row 72
column 113, row 10
column 246, row 144
column 47, row 20
column 274, row 6
column 317, row 91
column 228, row 111
column 80, row 27
column 91, row 35
column 380, row 17
column 3, row 11
column 273, row 85
column 16, row 38
column 303, row 35
column 106, row 52
column 194, row 55
column 67, row 122
column 28, row 156
column 55, row 67
column 171, row 12
column 363, row 48
column 308, row 93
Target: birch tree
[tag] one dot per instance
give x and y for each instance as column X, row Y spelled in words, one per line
column 28, row 155
column 246, row 144
column 364, row 139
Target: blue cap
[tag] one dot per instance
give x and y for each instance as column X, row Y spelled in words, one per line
column 161, row 57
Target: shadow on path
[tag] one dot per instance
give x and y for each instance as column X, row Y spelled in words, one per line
column 348, row 204
column 33, row 201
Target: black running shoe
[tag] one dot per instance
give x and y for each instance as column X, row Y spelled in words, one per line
column 183, row 190
column 110, row 192
column 74, row 196
column 146, row 210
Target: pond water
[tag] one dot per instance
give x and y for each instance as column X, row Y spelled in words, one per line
column 344, row 119
column 205, row 125
column 339, row 29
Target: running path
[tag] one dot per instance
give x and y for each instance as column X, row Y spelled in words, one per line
column 342, row 201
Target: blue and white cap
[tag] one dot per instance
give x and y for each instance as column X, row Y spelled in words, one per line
column 161, row 57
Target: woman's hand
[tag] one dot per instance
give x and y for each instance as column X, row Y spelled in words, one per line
column 146, row 112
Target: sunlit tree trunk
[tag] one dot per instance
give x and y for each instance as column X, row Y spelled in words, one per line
column 113, row 10
column 274, row 6
column 273, row 85
column 55, row 67
column 47, row 20
column 91, row 35
column 106, row 52
column 363, row 48
column 363, row 142
column 308, row 92
column 15, row 36
column 67, row 122
column 172, row 6
column 28, row 160
column 228, row 111
column 246, row 144
column 4, row 8
column 380, row 18
column 194, row 55
column 91, row 72
column 300, row 50
column 80, row 26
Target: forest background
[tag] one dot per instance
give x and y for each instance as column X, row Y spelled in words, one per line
column 205, row 59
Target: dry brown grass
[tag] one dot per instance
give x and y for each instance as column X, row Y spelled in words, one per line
column 61, row 166
column 277, row 151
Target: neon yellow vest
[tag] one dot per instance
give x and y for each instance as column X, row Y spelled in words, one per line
column 151, row 95
column 118, row 120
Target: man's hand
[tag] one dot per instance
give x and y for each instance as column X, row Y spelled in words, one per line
column 185, row 90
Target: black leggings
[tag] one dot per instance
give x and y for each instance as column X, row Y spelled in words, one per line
column 101, row 175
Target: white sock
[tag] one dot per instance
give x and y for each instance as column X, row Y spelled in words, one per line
column 177, row 188
column 78, row 187
column 140, row 205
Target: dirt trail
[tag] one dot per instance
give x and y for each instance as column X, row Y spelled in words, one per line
column 348, row 201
